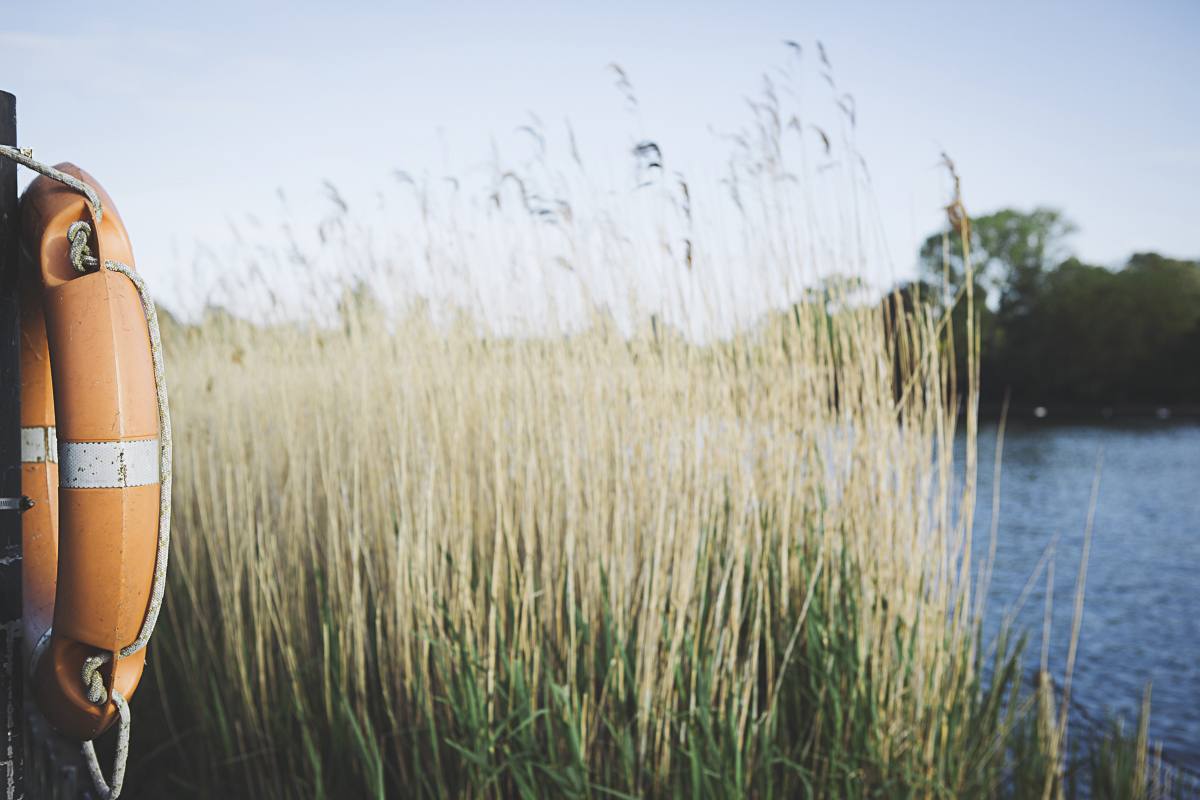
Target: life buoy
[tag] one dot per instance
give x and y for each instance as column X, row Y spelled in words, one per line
column 90, row 459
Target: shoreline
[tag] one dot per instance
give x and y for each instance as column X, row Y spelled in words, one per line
column 1075, row 412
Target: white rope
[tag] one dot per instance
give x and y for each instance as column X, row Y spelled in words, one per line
column 25, row 159
column 106, row 791
column 82, row 260
column 164, row 460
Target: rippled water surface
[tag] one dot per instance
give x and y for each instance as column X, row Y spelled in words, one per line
column 1141, row 618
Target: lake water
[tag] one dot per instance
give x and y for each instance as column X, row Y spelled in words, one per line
column 1141, row 617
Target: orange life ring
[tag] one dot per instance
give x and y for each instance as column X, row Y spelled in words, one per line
column 90, row 459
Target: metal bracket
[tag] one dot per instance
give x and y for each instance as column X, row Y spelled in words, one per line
column 20, row 504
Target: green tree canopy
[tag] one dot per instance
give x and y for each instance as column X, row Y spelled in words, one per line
column 1056, row 329
column 1010, row 253
column 1103, row 336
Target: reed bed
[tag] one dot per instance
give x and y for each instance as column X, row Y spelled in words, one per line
column 415, row 556
column 417, row 560
column 426, row 560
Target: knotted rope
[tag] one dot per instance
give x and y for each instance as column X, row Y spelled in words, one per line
column 81, row 254
column 83, row 261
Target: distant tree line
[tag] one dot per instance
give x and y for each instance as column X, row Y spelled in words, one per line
column 1054, row 329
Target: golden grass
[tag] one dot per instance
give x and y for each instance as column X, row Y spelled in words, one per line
column 351, row 499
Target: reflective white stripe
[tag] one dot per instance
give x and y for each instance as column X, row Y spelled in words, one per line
column 39, row 444
column 106, row 465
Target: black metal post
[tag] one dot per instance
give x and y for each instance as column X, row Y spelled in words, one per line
column 11, row 689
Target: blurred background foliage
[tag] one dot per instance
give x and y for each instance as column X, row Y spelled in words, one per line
column 1054, row 329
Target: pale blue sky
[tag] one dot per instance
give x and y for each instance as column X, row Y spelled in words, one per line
column 195, row 114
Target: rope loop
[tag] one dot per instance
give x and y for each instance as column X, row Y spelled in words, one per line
column 111, row 792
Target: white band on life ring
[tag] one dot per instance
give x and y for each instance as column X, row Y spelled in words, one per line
column 39, row 445
column 107, row 465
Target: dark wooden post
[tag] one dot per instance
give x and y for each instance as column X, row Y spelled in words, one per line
column 11, row 690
